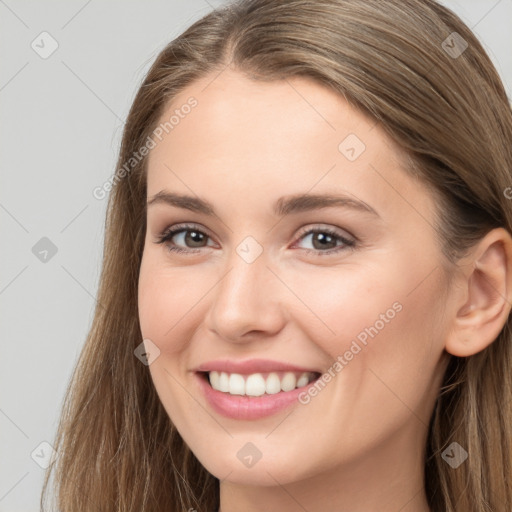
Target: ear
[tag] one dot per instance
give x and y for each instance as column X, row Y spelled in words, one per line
column 484, row 300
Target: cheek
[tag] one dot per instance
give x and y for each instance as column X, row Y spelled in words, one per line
column 384, row 338
column 166, row 301
column 343, row 304
column 393, row 300
column 376, row 320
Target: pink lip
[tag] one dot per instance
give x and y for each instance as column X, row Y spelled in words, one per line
column 241, row 407
column 250, row 366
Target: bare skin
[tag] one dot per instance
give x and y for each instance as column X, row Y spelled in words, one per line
column 357, row 445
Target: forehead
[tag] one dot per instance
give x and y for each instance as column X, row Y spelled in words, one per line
column 233, row 110
column 265, row 139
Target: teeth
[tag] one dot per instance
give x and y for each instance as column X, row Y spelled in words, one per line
column 223, row 382
column 303, row 380
column 236, row 384
column 273, row 384
column 288, row 382
column 256, row 384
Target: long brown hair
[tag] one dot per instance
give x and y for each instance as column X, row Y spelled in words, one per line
column 442, row 102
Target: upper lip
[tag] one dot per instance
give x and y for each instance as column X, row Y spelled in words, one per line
column 250, row 366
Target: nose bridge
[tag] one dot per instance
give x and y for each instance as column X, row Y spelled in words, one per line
column 244, row 299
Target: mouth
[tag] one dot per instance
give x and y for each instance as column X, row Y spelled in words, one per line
column 258, row 384
column 253, row 396
column 253, row 389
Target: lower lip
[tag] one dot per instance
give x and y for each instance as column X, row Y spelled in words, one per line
column 241, row 407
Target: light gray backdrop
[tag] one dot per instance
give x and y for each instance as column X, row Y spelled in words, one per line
column 68, row 73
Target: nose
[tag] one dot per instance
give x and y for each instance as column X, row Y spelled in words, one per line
column 247, row 302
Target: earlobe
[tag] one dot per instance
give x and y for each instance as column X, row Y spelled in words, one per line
column 487, row 295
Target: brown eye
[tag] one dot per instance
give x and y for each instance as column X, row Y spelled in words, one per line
column 184, row 239
column 323, row 241
column 326, row 241
column 194, row 238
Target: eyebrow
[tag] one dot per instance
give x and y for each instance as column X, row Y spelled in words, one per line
column 283, row 206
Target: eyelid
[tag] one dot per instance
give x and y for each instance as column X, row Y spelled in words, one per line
column 348, row 242
column 342, row 233
column 184, row 226
column 172, row 230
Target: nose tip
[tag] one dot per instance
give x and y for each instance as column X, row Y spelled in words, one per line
column 246, row 303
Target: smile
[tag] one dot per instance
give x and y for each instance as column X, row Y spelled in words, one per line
column 258, row 384
column 253, row 396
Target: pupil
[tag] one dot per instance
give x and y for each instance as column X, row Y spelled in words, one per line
column 322, row 238
column 193, row 234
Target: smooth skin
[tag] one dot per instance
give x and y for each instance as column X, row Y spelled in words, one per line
column 357, row 446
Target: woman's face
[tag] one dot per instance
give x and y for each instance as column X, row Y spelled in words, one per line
column 269, row 285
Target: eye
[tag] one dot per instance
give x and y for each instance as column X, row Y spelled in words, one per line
column 327, row 241
column 184, row 234
column 189, row 239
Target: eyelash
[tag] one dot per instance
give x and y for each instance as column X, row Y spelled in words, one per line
column 168, row 234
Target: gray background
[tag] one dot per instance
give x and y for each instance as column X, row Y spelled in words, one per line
column 61, row 123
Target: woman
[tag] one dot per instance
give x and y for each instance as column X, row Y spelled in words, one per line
column 307, row 279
